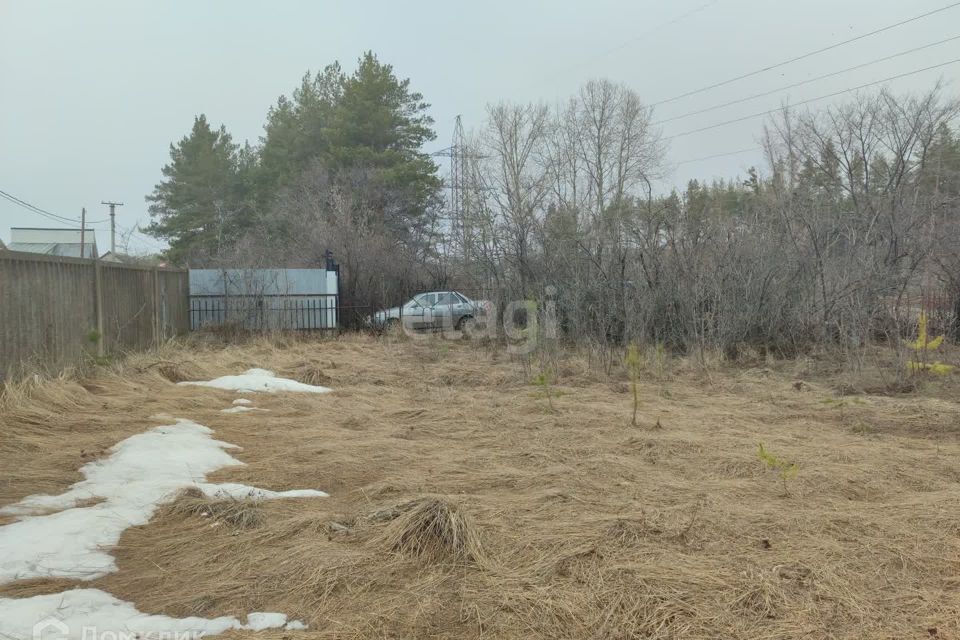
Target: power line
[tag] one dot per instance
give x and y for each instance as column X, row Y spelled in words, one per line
column 35, row 209
column 43, row 212
column 806, row 55
column 718, row 155
column 803, row 82
column 656, row 29
column 803, row 102
column 550, row 77
column 32, row 211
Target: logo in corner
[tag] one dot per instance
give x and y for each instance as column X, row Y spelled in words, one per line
column 50, row 629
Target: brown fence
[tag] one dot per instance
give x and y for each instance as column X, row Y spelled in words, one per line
column 54, row 310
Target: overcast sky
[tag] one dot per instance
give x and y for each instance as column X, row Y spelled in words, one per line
column 92, row 93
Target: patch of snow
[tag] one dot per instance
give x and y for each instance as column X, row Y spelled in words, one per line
column 79, row 614
column 241, row 409
column 261, row 621
column 295, row 625
column 141, row 473
column 246, row 492
column 258, row 380
column 242, row 401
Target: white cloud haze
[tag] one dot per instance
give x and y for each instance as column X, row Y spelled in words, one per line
column 93, row 93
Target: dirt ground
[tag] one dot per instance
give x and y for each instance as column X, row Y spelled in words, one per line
column 465, row 503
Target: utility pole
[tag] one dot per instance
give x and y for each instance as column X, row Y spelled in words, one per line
column 83, row 228
column 113, row 224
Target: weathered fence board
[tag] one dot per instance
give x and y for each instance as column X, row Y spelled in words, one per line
column 55, row 310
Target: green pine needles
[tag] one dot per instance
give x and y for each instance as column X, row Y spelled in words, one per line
column 787, row 470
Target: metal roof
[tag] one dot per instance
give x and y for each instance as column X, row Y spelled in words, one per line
column 65, row 250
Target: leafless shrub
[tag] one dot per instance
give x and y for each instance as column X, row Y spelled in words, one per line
column 825, row 247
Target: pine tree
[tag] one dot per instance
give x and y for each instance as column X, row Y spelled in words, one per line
column 296, row 132
column 198, row 205
column 380, row 124
column 362, row 133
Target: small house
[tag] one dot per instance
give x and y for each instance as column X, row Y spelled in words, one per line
column 65, row 243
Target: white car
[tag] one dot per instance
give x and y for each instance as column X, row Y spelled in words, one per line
column 433, row 310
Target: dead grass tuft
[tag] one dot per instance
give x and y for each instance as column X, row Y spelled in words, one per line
column 308, row 373
column 233, row 512
column 435, row 530
column 178, row 371
column 762, row 598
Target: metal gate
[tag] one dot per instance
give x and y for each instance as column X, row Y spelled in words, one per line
column 261, row 313
column 265, row 299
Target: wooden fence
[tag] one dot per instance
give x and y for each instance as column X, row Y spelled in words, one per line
column 54, row 311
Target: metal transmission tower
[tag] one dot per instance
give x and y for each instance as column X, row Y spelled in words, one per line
column 459, row 211
column 461, row 229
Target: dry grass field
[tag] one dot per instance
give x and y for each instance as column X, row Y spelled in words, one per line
column 466, row 504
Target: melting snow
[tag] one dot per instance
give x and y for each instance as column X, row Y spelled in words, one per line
column 55, row 537
column 258, row 380
column 295, row 625
column 261, row 621
column 242, row 492
column 240, row 405
column 141, row 473
column 241, row 409
column 73, row 615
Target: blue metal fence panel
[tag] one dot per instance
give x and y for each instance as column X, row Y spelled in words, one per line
column 264, row 299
